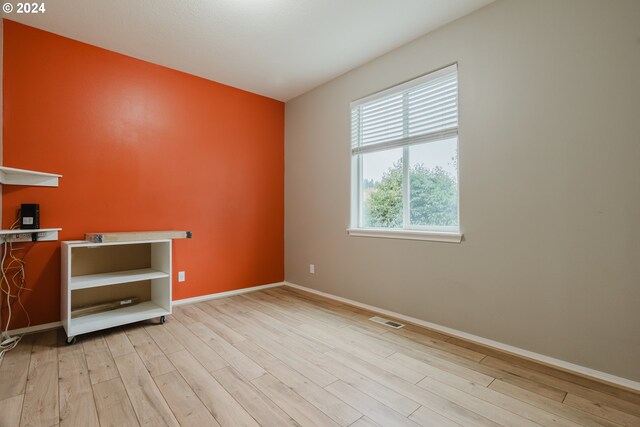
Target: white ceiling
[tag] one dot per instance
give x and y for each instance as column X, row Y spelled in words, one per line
column 276, row 48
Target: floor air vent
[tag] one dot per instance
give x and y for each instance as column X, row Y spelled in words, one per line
column 387, row 322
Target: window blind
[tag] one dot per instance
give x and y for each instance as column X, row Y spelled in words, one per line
column 421, row 110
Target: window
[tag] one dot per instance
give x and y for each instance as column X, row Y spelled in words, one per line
column 404, row 148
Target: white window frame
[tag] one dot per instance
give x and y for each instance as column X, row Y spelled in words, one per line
column 408, row 232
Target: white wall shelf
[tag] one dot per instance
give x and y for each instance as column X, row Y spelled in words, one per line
column 43, row 235
column 12, row 176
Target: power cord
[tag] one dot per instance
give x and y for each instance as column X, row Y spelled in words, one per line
column 17, row 279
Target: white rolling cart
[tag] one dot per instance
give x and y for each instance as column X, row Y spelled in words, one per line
column 99, row 273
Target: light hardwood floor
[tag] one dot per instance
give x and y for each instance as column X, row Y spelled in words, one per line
column 285, row 358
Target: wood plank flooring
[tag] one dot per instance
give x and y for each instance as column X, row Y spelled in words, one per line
column 282, row 357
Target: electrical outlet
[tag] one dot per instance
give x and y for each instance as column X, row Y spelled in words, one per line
column 312, row 268
column 181, row 276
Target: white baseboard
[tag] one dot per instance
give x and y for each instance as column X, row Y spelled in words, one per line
column 36, row 328
column 226, row 294
column 546, row 360
column 54, row 325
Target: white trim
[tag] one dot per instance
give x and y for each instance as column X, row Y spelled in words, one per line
column 226, row 294
column 406, row 188
column 407, row 141
column 546, row 360
column 36, row 328
column 434, row 236
column 54, row 325
column 566, row 366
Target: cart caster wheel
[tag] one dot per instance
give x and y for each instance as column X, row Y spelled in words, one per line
column 70, row 340
column 163, row 319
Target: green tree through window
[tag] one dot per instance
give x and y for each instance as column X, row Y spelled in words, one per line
column 433, row 198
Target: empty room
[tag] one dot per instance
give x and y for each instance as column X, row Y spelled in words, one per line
column 320, row 213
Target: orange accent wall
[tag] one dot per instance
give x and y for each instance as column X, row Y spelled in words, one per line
column 141, row 147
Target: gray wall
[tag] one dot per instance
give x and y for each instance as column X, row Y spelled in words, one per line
column 549, row 178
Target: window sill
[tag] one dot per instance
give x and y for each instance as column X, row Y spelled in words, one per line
column 433, row 236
